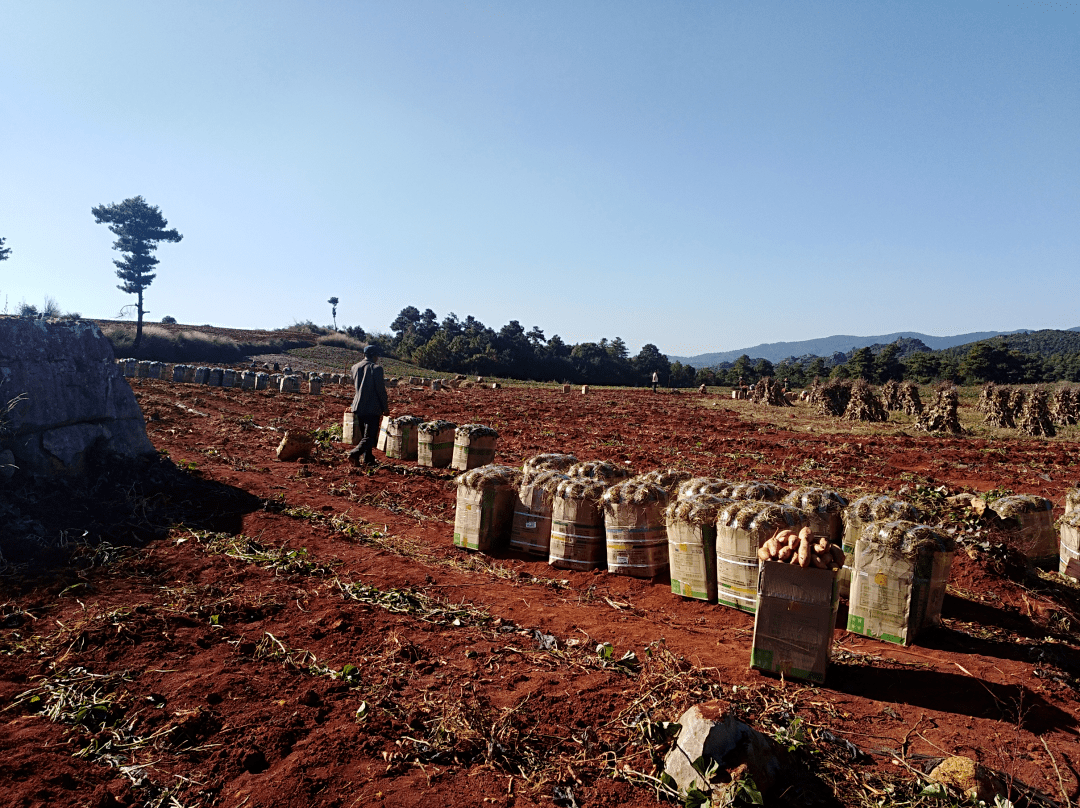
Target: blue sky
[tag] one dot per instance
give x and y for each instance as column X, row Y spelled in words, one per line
column 702, row 176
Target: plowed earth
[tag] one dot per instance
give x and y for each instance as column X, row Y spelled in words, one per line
column 296, row 634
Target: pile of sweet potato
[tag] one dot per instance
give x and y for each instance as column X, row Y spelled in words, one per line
column 802, row 548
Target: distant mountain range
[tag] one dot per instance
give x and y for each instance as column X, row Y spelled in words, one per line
column 841, row 343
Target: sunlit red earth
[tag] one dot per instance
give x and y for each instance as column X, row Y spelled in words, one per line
column 479, row 713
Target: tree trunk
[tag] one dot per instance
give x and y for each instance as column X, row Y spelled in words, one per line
column 138, row 326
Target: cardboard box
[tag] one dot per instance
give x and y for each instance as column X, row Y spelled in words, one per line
column 737, row 568
column 1032, row 527
column 1069, row 547
column 531, row 528
column 577, row 535
column 381, row 445
column 482, row 518
column 636, row 539
column 435, row 449
column 796, row 615
column 470, row 453
column 402, row 440
column 692, row 559
column 741, row 529
column 530, row 531
column 893, row 596
column 351, row 428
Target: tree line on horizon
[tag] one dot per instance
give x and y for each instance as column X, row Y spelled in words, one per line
column 989, row 360
column 457, row 345
column 469, row 346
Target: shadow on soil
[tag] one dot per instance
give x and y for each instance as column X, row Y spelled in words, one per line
column 955, row 693
column 989, row 631
column 124, row 504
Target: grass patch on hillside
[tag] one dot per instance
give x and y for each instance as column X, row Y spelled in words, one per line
column 328, row 354
column 162, row 345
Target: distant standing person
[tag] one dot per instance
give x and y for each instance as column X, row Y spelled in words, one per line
column 655, row 380
column 369, row 403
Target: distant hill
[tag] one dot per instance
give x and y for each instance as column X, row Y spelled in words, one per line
column 1041, row 343
column 841, row 343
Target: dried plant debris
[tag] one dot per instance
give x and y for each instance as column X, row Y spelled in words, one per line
column 881, row 508
column 581, row 488
column 890, row 396
column 760, row 517
column 910, row 402
column 539, row 489
column 490, row 475
column 816, row 500
column 599, row 470
column 908, row 538
column 633, row 492
column 1072, row 499
column 405, row 421
column 668, row 479
column 803, row 549
column 699, row 510
column 942, row 415
column 1034, row 419
column 1014, row 505
column 864, row 405
column 768, row 391
column 696, row 486
column 995, row 403
column 1016, row 400
column 755, row 490
column 542, row 462
column 471, row 431
column 1065, row 406
column 1070, row 519
column 832, row 397
column 435, row 427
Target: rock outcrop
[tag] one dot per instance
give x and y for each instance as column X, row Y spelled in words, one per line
column 716, row 754
column 74, row 400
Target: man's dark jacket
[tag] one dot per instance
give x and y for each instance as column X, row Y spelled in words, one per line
column 370, row 398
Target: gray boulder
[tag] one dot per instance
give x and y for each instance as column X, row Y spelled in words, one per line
column 715, row 750
column 75, row 398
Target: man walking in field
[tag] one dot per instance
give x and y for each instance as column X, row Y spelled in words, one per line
column 655, row 380
column 369, row 403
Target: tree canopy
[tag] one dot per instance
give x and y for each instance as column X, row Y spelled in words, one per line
column 138, row 226
column 4, row 251
column 468, row 346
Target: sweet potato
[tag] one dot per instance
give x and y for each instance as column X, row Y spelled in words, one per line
column 804, row 553
column 838, row 554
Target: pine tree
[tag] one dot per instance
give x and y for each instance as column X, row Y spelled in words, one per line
column 139, row 227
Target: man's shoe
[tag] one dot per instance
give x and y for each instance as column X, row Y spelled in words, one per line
column 369, row 460
column 354, row 460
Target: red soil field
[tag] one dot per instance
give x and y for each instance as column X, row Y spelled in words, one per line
column 307, row 634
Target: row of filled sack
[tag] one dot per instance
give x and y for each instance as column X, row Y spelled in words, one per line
column 435, row 443
column 544, row 485
column 710, row 533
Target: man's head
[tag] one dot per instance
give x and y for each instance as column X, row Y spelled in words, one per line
column 371, row 352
